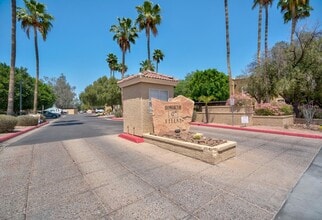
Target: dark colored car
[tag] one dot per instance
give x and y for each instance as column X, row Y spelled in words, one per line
column 50, row 115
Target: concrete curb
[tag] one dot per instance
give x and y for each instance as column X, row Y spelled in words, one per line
column 132, row 138
column 314, row 136
column 12, row 135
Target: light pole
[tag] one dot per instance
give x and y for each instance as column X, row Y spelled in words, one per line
column 20, row 96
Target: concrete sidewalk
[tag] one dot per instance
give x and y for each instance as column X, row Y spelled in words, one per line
column 108, row 177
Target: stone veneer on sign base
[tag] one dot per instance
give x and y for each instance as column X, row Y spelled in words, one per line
column 172, row 115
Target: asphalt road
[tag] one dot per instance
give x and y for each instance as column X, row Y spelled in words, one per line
column 78, row 168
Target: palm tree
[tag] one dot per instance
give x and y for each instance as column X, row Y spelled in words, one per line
column 266, row 3
column 259, row 33
column 35, row 16
column 231, row 86
column 112, row 63
column 158, row 56
column 124, row 34
column 149, row 17
column 293, row 11
column 12, row 59
column 146, row 65
column 206, row 100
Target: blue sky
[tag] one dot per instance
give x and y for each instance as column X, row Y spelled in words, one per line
column 191, row 35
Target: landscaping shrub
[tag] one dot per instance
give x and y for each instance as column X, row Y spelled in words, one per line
column 7, row 123
column 273, row 109
column 118, row 114
column 27, row 120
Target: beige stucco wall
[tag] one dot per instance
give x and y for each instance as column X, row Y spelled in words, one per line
column 280, row 121
column 71, row 111
column 137, row 117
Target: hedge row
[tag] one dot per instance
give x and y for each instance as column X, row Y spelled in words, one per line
column 7, row 123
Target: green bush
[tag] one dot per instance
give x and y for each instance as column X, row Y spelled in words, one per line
column 273, row 109
column 27, row 120
column 7, row 123
column 118, row 114
column 264, row 112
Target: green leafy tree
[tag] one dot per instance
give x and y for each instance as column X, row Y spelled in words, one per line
column 148, row 19
column 208, row 82
column 294, row 10
column 124, row 34
column 10, row 107
column 158, row 56
column 35, row 17
column 102, row 92
column 146, row 65
column 46, row 95
column 112, row 63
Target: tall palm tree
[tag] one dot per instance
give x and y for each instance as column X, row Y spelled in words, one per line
column 146, row 65
column 149, row 17
column 12, row 59
column 158, row 56
column 231, row 86
column 259, row 33
column 293, row 11
column 124, row 34
column 36, row 17
column 266, row 4
column 112, row 63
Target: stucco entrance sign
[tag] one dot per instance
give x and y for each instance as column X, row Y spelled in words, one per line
column 172, row 115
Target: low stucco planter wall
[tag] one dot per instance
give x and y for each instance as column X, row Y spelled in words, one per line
column 280, row 121
column 212, row 155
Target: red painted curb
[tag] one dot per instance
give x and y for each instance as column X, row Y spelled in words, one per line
column 117, row 119
column 12, row 135
column 132, row 138
column 315, row 136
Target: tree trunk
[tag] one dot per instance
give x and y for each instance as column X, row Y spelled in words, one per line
column 37, row 73
column 207, row 117
column 157, row 66
column 148, row 42
column 123, row 63
column 259, row 34
column 266, row 31
column 10, row 107
column 231, row 87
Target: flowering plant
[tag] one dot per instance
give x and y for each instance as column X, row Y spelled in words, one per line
column 273, row 109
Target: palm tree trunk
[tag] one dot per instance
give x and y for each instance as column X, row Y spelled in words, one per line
column 123, row 63
column 231, row 88
column 157, row 66
column 148, row 42
column 37, row 73
column 266, row 31
column 259, row 34
column 10, row 107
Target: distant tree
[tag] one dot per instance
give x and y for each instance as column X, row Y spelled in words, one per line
column 64, row 92
column 112, row 63
column 148, row 19
column 158, row 56
column 294, row 10
column 102, row 92
column 146, row 65
column 124, row 34
column 35, row 16
column 10, row 107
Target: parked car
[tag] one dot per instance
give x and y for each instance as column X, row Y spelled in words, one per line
column 48, row 114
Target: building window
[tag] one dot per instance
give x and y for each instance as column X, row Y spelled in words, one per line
column 157, row 94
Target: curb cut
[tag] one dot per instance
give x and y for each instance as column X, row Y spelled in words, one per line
column 314, row 136
column 12, row 135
